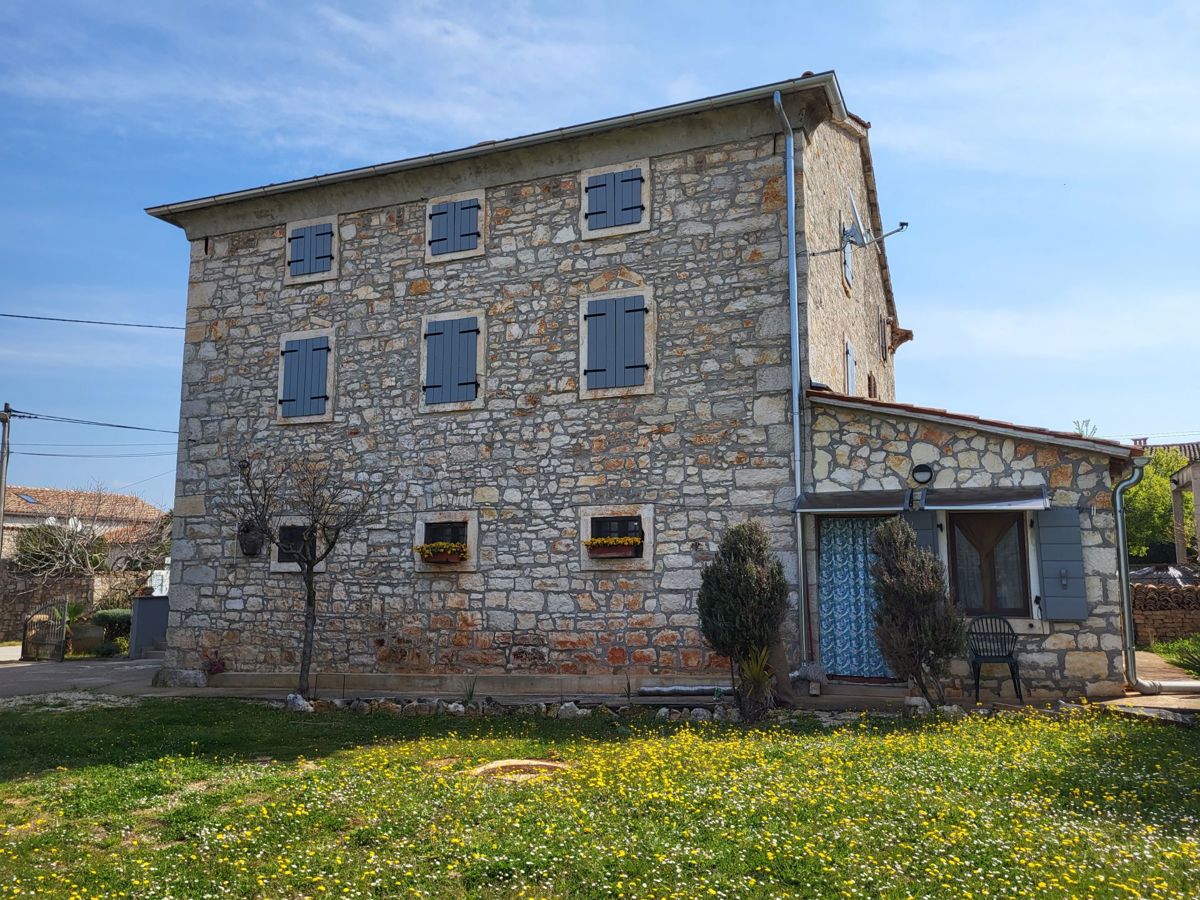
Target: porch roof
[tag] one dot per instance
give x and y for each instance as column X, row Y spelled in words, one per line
column 842, row 503
column 966, row 499
column 1114, row 449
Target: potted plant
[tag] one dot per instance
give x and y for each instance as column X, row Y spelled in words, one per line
column 612, row 547
column 250, row 539
column 442, row 552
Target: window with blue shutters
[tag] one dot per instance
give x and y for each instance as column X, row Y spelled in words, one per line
column 617, row 340
column 305, row 377
column 452, row 359
column 455, row 227
column 615, row 199
column 311, row 251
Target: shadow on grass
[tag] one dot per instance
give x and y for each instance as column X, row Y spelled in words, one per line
column 33, row 741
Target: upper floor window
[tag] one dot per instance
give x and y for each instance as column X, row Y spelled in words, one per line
column 872, row 386
column 306, row 377
column 885, row 336
column 453, row 358
column 311, row 251
column 455, row 227
column 616, row 337
column 851, row 366
column 614, row 199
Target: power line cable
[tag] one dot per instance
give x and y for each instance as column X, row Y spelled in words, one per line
column 92, row 322
column 151, row 478
column 93, row 455
column 147, row 444
column 22, row 414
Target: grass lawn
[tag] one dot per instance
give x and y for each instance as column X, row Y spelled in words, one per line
column 1183, row 652
column 206, row 798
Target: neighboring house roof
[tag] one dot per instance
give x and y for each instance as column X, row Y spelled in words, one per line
column 933, row 414
column 825, row 81
column 1190, row 449
column 43, row 503
column 1163, row 574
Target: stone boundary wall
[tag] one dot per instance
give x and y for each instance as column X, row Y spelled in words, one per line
column 21, row 594
column 1163, row 613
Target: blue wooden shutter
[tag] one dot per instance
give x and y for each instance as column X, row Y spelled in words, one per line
column 317, row 376
column 601, row 194
column 851, row 366
column 629, row 197
column 296, row 251
column 322, row 244
column 466, row 225
column 600, row 369
column 633, row 340
column 1060, row 559
column 464, row 340
column 924, row 523
column 440, row 228
column 294, row 366
column 438, row 384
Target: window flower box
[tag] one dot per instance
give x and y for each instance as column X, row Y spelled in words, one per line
column 613, row 547
column 442, row 552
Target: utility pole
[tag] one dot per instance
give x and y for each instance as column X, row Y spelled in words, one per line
column 5, row 417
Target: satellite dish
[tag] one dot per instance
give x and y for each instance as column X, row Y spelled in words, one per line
column 855, row 234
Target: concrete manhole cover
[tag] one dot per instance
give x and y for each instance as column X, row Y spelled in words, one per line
column 518, row 770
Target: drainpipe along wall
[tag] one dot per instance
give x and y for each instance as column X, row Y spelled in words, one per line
column 1143, row 687
column 794, row 316
column 794, row 319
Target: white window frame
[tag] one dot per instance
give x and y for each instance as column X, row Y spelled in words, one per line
column 616, row 230
column 426, row 517
column 643, row 563
column 330, row 377
column 480, row 248
column 312, row 277
column 649, row 344
column 480, row 401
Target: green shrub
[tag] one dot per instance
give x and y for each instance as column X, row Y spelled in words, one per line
column 918, row 628
column 1183, row 652
column 115, row 622
column 742, row 601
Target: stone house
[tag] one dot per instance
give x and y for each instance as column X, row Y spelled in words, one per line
column 576, row 335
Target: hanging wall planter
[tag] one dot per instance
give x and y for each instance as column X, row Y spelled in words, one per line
column 613, row 548
column 250, row 539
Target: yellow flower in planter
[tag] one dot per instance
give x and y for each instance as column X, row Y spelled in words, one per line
column 612, row 542
column 442, row 551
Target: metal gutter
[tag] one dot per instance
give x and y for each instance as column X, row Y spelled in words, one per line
column 826, row 81
column 794, row 320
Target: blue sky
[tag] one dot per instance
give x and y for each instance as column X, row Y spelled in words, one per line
column 1044, row 154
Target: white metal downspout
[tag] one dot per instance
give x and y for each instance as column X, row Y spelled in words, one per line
column 1131, row 679
column 794, row 317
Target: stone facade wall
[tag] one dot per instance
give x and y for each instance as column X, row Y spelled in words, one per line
column 853, row 449
column 21, row 594
column 710, row 447
column 837, row 313
column 1162, row 613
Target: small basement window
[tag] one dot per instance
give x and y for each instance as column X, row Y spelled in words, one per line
column 291, row 542
column 620, row 527
column 448, row 532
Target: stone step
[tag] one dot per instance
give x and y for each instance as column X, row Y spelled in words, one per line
column 154, row 654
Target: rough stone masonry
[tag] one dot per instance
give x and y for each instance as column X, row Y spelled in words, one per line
column 710, row 447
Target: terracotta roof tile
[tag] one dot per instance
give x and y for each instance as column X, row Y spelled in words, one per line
column 59, row 502
column 1115, row 448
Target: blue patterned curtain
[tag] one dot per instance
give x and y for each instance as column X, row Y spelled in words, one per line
column 846, row 597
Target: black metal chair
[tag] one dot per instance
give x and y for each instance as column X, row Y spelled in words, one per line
column 990, row 639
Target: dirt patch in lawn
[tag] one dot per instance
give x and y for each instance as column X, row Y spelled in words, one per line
column 518, row 770
column 67, row 701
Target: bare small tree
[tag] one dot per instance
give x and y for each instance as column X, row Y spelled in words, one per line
column 320, row 506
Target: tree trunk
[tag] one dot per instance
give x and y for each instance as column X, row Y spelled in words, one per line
column 310, row 627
